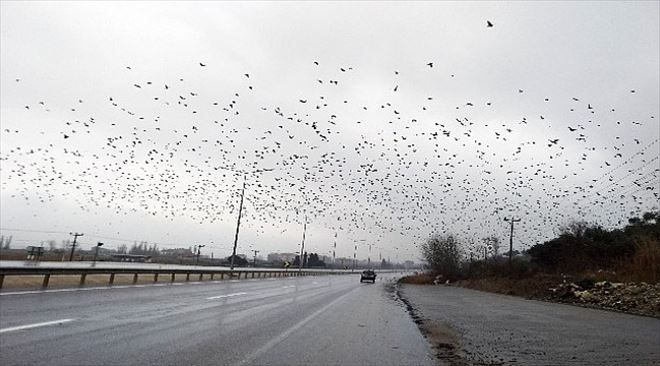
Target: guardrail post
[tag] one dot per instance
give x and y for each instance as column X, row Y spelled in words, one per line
column 222, row 275
column 46, row 280
column 212, row 276
column 82, row 279
column 155, row 277
column 2, row 279
column 188, row 276
column 135, row 278
column 112, row 279
column 201, row 275
column 172, row 277
column 252, row 274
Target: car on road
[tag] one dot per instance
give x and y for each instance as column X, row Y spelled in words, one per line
column 368, row 275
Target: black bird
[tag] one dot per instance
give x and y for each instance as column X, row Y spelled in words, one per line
column 201, row 64
column 489, row 24
column 430, row 64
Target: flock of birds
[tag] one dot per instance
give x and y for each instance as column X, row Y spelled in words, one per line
column 379, row 170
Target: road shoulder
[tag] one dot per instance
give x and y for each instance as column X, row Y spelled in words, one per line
column 472, row 327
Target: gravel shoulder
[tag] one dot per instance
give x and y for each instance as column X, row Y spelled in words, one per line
column 472, row 327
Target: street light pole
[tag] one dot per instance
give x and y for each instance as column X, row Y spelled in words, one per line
column 254, row 261
column 199, row 251
column 238, row 225
column 96, row 253
column 302, row 247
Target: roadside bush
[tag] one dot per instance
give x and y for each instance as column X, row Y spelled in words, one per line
column 581, row 247
column 499, row 267
column 644, row 265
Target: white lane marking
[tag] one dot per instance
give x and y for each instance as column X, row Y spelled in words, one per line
column 273, row 342
column 228, row 295
column 288, row 286
column 28, row 326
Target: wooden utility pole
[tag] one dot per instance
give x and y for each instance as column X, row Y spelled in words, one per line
column 512, row 221
column 238, row 225
column 73, row 247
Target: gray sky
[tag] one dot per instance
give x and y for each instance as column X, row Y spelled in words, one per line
column 367, row 158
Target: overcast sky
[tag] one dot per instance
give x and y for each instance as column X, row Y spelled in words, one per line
column 394, row 151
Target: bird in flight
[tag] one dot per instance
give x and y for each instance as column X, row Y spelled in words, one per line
column 489, row 24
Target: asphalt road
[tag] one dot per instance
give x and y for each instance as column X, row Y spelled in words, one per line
column 483, row 328
column 327, row 320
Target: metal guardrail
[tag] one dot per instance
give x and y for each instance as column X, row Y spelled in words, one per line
column 136, row 272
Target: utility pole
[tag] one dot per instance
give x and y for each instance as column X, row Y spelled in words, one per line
column 199, row 251
column 73, row 247
column 485, row 253
column 302, row 247
column 238, row 225
column 254, row 262
column 513, row 221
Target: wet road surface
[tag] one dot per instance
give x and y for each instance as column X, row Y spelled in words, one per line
column 327, row 320
column 477, row 327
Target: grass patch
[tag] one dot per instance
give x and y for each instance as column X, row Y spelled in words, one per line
column 418, row 279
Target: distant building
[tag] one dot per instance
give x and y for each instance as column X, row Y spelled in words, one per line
column 131, row 258
column 281, row 257
column 177, row 252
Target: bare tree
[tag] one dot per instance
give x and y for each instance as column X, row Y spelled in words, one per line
column 6, row 242
column 493, row 244
column 443, row 254
column 52, row 245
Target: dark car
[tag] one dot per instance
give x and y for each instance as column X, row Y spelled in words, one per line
column 368, row 275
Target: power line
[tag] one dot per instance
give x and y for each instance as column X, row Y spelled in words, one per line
column 628, row 160
column 35, row 231
column 104, row 237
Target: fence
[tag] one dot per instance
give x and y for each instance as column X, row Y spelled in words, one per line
column 155, row 273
